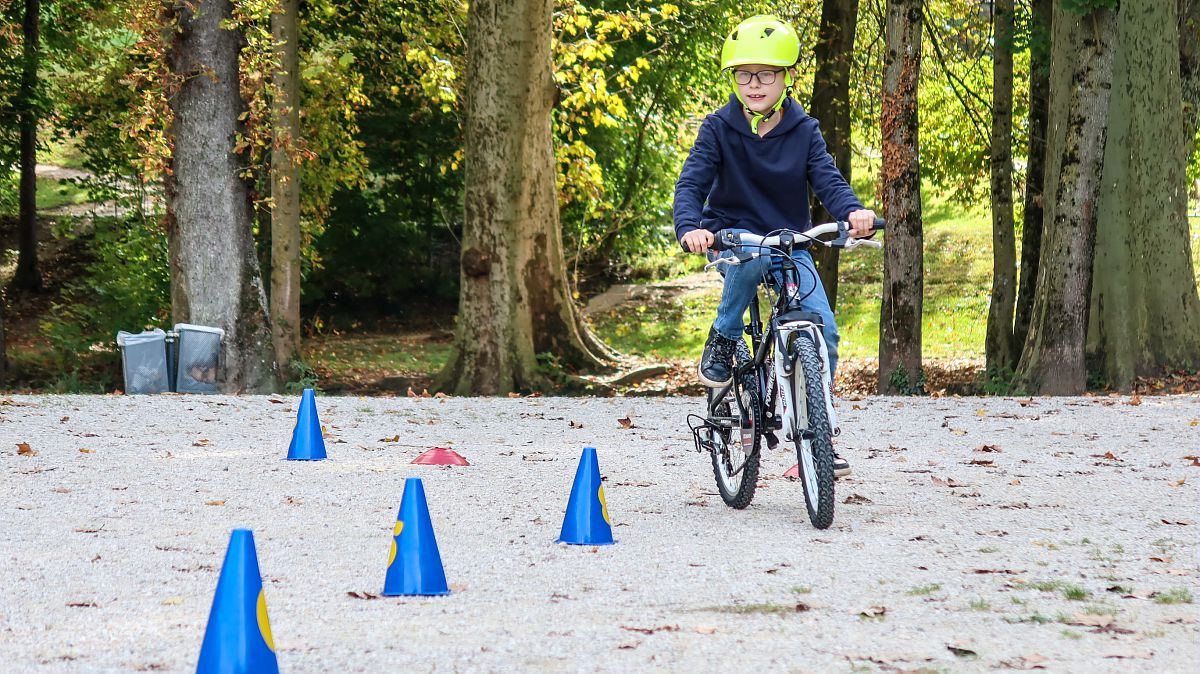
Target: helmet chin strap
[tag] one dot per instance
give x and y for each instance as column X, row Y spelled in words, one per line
column 757, row 118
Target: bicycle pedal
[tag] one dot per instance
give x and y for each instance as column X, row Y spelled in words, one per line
column 772, row 440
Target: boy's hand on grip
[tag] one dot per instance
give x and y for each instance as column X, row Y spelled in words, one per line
column 862, row 223
column 697, row 240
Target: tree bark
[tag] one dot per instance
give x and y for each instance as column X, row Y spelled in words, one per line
column 1035, row 165
column 831, row 106
column 1000, row 347
column 1145, row 314
column 215, row 277
column 900, row 318
column 27, row 276
column 514, row 301
column 285, row 190
column 1052, row 362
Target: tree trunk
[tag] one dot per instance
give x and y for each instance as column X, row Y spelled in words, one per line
column 215, row 277
column 1035, row 166
column 1189, row 67
column 285, row 190
column 514, row 301
column 999, row 345
column 831, row 106
column 1052, row 362
column 27, row 276
column 1145, row 314
column 900, row 317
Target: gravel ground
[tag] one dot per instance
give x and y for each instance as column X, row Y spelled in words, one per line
column 1071, row 545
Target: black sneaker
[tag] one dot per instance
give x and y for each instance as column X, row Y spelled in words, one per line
column 841, row 467
column 716, row 363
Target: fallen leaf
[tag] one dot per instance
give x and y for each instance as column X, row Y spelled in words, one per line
column 961, row 651
column 1182, row 523
column 1015, row 482
column 413, row 394
column 651, row 630
column 173, row 601
column 958, row 431
column 394, row 438
column 214, row 503
column 1179, row 572
column 64, row 420
column 83, row 604
column 364, row 595
column 981, row 462
column 981, row 412
column 514, row 394
column 275, row 401
column 1179, row 483
column 947, row 483
column 200, row 443
column 441, row 396
column 575, row 424
column 629, row 646
column 988, row 448
column 458, row 587
column 1031, row 661
column 88, row 530
column 61, row 490
column 23, row 449
column 85, row 450
column 856, row 499
column 1164, row 560
column 625, row 422
column 872, row 612
column 1135, row 399
column 1091, row 620
column 705, row 630
column 1004, row 571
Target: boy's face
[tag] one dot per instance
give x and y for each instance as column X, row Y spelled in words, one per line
column 758, row 96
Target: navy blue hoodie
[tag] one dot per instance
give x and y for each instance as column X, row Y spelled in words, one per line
column 733, row 178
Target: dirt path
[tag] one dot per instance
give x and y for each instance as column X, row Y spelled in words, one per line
column 976, row 535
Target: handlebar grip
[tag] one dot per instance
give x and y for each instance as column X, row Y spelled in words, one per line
column 724, row 240
column 879, row 223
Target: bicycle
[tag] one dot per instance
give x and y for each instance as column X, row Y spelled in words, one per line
column 800, row 360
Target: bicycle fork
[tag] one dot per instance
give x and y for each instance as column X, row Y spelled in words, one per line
column 793, row 395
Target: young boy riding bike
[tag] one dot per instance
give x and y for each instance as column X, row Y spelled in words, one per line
column 750, row 170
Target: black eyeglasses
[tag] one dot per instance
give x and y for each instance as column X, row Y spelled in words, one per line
column 765, row 77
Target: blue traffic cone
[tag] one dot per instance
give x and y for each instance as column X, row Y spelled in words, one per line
column 414, row 566
column 238, row 636
column 587, row 520
column 307, row 442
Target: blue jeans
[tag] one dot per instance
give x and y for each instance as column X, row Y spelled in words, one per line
column 741, row 284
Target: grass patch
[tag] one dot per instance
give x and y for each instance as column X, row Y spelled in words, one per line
column 802, row 589
column 1071, row 634
column 1034, row 618
column 1069, row 591
column 53, row 193
column 980, row 604
column 1179, row 595
column 348, row 354
column 924, row 590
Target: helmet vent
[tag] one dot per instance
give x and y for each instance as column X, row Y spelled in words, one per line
column 767, row 32
column 733, row 36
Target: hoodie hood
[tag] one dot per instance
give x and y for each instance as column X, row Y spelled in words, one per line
column 731, row 113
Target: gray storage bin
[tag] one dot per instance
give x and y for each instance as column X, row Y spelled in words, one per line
column 144, row 361
column 199, row 366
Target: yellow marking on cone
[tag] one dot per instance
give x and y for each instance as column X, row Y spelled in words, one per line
column 604, row 505
column 264, row 625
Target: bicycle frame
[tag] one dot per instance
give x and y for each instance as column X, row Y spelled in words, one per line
column 784, row 322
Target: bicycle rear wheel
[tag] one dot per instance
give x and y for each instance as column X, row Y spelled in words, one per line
column 814, row 446
column 735, row 447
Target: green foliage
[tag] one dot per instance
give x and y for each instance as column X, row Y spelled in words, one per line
column 125, row 286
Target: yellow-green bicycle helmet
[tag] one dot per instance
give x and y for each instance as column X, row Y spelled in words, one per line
column 766, row 40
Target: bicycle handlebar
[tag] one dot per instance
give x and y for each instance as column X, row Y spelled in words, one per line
column 726, row 239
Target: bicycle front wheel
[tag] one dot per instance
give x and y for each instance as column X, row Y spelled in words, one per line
column 814, row 445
